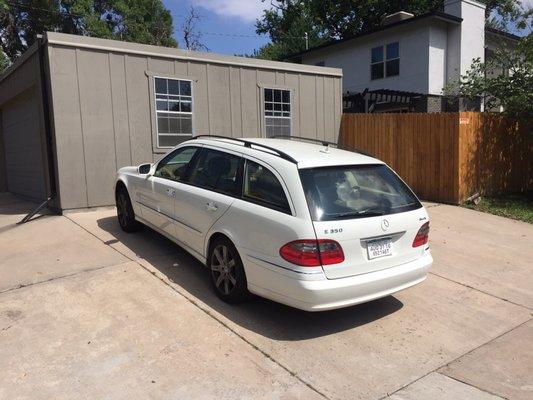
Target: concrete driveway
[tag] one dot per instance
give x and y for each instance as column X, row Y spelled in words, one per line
column 87, row 311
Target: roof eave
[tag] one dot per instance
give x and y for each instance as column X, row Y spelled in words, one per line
column 434, row 14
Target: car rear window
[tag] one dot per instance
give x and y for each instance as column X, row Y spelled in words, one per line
column 346, row 192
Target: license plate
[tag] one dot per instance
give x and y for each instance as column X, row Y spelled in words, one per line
column 379, row 248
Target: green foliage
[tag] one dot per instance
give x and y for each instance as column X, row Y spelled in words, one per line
column 4, row 61
column 505, row 79
column 325, row 20
column 143, row 21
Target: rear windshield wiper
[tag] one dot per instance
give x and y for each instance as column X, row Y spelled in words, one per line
column 356, row 214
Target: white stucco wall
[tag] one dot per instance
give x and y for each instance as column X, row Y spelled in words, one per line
column 438, row 44
column 354, row 58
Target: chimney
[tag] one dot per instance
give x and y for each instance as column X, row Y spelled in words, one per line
column 397, row 17
column 466, row 40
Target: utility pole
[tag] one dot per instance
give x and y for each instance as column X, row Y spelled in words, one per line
column 306, row 41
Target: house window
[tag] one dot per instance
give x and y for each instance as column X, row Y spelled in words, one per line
column 277, row 112
column 385, row 61
column 174, row 109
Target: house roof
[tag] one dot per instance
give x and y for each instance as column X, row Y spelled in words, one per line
column 62, row 39
column 430, row 15
column 502, row 33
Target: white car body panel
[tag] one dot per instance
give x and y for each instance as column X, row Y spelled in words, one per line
column 191, row 215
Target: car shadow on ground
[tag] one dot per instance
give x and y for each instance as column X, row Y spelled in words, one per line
column 259, row 315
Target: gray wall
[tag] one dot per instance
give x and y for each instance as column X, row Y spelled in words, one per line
column 23, row 158
column 103, row 113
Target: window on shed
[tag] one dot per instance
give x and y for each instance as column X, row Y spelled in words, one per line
column 385, row 61
column 277, row 112
column 174, row 110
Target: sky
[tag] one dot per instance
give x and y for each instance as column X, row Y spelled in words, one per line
column 220, row 18
column 228, row 26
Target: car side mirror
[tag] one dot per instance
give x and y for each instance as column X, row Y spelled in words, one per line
column 144, row 169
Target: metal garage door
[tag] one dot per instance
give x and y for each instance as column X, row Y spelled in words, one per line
column 23, row 146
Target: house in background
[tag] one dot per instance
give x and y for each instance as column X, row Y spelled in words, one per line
column 73, row 110
column 405, row 64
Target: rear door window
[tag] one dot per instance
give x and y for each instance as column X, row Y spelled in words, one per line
column 217, row 171
column 345, row 192
column 262, row 187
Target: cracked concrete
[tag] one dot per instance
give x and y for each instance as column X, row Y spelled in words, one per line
column 133, row 316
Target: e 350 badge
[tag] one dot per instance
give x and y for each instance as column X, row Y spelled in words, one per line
column 332, row 231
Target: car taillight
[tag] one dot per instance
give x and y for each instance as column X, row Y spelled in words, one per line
column 422, row 237
column 312, row 253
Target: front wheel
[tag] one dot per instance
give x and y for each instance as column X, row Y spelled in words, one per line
column 227, row 272
column 125, row 213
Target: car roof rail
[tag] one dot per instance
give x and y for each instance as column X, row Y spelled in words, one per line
column 319, row 141
column 304, row 139
column 249, row 144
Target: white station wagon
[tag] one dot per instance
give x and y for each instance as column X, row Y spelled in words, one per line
column 303, row 224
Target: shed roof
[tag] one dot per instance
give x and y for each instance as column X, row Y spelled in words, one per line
column 86, row 42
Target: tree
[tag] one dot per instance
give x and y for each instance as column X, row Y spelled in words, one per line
column 191, row 36
column 143, row 21
column 325, row 20
column 505, row 80
column 4, row 62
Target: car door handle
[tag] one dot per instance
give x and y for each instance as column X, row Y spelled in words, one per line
column 211, row 206
column 171, row 192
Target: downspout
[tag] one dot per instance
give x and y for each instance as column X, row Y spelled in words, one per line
column 52, row 189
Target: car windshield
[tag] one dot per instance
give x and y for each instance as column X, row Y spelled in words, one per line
column 346, row 192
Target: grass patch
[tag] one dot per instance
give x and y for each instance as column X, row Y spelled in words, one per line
column 518, row 206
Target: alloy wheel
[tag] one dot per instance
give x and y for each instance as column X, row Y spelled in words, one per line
column 223, row 269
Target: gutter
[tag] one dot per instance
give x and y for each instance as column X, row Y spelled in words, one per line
column 52, row 188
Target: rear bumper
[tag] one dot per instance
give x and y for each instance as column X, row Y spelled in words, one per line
column 322, row 294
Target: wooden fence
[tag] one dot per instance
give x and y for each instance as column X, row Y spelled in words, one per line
column 446, row 157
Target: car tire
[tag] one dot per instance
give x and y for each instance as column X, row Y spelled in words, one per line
column 227, row 272
column 125, row 213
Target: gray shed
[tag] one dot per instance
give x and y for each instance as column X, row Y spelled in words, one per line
column 74, row 109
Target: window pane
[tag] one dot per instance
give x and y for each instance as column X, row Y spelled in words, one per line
column 174, row 105
column 377, row 71
column 287, row 107
column 393, row 67
column 174, row 125
column 393, row 50
column 174, row 165
column 186, row 106
column 186, row 125
column 185, row 88
column 269, row 106
column 268, row 95
column 286, row 96
column 160, row 85
column 173, row 86
column 277, row 107
column 216, row 170
column 261, row 185
column 377, row 54
column 162, row 124
column 277, row 95
column 162, row 105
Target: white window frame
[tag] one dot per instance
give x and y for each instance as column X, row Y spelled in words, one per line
column 156, row 111
column 384, row 61
column 264, row 101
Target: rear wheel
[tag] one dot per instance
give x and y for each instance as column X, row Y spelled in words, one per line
column 125, row 213
column 227, row 273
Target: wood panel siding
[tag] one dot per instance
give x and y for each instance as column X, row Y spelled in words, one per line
column 104, row 116
column 446, row 157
